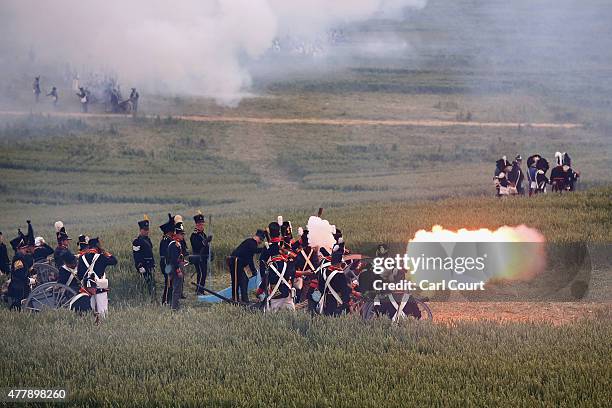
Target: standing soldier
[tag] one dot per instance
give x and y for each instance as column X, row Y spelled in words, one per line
column 42, row 250
column 19, row 288
column 333, row 285
column 53, row 95
column 84, row 98
column 178, row 219
column 36, row 88
column 167, row 229
column 238, row 262
column 142, row 249
column 83, row 243
column 200, row 246
column 277, row 275
column 5, row 264
column 306, row 264
column 176, row 261
column 91, row 271
column 63, row 242
column 134, row 96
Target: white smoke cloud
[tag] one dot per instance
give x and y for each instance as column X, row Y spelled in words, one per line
column 320, row 233
column 189, row 46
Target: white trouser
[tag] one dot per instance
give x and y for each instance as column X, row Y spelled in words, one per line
column 282, row 303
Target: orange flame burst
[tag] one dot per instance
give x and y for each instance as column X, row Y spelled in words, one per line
column 520, row 233
column 517, row 252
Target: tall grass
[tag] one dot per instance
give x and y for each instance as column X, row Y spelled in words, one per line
column 225, row 356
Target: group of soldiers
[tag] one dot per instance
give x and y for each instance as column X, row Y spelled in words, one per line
column 292, row 269
column 173, row 256
column 509, row 177
column 84, row 272
column 112, row 98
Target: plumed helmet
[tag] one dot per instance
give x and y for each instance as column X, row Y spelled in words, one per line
column 144, row 223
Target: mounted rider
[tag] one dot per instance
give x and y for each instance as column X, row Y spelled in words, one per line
column 536, row 174
column 562, row 176
column 500, row 179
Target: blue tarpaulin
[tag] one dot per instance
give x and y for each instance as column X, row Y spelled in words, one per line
column 254, row 282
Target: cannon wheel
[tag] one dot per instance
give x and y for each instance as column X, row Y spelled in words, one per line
column 368, row 312
column 45, row 272
column 49, row 296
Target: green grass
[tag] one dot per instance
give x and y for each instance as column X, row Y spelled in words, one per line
column 377, row 183
column 225, row 356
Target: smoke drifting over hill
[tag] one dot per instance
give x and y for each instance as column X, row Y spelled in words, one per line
column 192, row 46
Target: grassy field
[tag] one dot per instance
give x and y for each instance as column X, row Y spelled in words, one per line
column 377, row 182
column 224, row 356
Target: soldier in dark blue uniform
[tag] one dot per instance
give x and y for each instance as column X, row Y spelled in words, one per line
column 562, row 176
column 241, row 259
column 36, row 88
column 54, row 96
column 42, row 250
column 176, row 260
column 200, row 246
column 167, row 229
column 68, row 272
column 306, row 264
column 19, row 288
column 63, row 244
column 516, row 176
column 5, row 264
column 277, row 274
column 83, row 243
column 334, row 285
column 91, row 270
column 142, row 250
column 134, row 96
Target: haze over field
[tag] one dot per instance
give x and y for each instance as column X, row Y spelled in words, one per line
column 191, row 46
column 226, row 49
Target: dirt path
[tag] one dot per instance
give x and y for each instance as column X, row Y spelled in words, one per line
column 555, row 313
column 320, row 121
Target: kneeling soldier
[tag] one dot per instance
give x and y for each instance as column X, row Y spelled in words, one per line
column 142, row 249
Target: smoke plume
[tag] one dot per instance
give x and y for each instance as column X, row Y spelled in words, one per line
column 192, row 47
